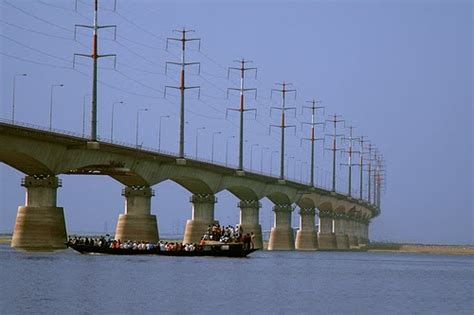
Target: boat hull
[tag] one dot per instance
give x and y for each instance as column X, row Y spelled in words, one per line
column 221, row 250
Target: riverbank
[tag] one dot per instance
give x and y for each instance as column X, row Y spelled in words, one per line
column 5, row 239
column 422, row 248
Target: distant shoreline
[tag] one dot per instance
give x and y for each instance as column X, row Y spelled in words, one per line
column 376, row 247
column 422, row 248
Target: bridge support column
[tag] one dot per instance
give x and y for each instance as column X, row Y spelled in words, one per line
column 326, row 237
column 281, row 235
column 249, row 210
column 306, row 236
column 351, row 231
column 359, row 233
column 40, row 223
column 202, row 217
column 342, row 239
column 137, row 223
column 364, row 231
column 357, row 230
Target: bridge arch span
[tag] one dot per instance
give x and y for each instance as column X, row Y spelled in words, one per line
column 195, row 180
column 25, row 163
column 242, row 188
column 306, row 202
column 279, row 194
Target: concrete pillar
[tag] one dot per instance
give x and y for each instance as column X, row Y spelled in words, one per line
column 249, row 210
column 342, row 239
column 202, row 217
column 282, row 235
column 137, row 223
column 351, row 232
column 360, row 232
column 326, row 236
column 40, row 223
column 306, row 236
column 365, row 226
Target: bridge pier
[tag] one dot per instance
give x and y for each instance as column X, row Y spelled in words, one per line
column 326, row 237
column 249, row 210
column 364, row 232
column 202, row 217
column 281, row 235
column 40, row 224
column 351, row 231
column 137, row 223
column 342, row 239
column 306, row 236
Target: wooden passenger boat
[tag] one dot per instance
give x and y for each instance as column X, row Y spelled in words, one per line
column 215, row 249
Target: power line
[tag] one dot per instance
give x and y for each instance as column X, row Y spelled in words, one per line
column 38, row 18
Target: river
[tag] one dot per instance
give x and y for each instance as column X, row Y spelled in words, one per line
column 266, row 282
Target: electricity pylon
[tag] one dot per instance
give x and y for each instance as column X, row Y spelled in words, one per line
column 312, row 137
column 95, row 55
column 242, row 108
column 361, row 164
column 334, row 148
column 350, row 152
column 282, row 126
column 183, row 64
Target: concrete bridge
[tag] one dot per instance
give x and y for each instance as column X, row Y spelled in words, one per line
column 44, row 155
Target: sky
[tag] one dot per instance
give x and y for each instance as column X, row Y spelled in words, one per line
column 400, row 72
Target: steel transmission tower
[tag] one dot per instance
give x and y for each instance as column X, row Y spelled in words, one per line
column 95, row 56
column 378, row 179
column 283, row 126
column 369, row 173
column 183, row 64
column 312, row 138
column 350, row 152
column 242, row 108
column 361, row 164
column 334, row 148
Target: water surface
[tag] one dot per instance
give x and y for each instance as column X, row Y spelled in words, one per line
column 266, row 282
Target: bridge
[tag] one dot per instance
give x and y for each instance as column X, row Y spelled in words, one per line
column 43, row 155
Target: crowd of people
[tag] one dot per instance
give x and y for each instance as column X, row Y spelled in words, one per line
column 225, row 234
column 134, row 245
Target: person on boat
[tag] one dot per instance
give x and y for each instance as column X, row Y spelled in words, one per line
column 162, row 247
column 252, row 238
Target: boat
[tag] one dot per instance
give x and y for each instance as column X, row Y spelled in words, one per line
column 215, row 249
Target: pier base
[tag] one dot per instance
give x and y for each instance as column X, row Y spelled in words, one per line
column 249, row 210
column 327, row 241
column 40, row 225
column 353, row 242
column 138, row 227
column 306, row 236
column 326, row 237
column 202, row 217
column 306, row 240
column 342, row 242
column 137, row 223
column 282, row 235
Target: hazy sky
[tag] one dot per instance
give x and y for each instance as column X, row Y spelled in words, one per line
column 399, row 71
